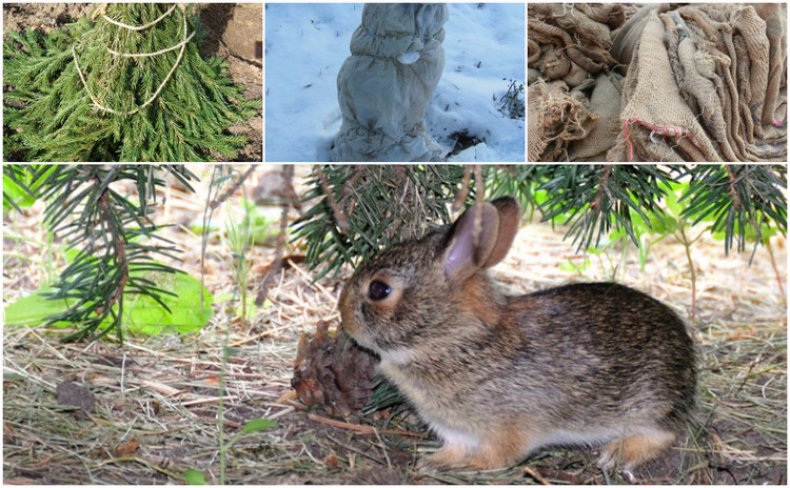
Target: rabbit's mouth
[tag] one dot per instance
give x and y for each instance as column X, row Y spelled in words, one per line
column 364, row 340
column 397, row 355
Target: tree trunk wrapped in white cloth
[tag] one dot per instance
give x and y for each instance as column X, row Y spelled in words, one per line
column 385, row 85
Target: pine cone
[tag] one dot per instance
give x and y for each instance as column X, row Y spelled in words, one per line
column 332, row 372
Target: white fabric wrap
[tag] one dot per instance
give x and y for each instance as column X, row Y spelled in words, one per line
column 385, row 85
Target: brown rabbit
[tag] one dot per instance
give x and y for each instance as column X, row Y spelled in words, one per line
column 497, row 376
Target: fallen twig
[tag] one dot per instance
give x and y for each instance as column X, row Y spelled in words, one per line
column 359, row 428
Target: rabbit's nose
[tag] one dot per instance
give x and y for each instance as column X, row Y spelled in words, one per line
column 346, row 308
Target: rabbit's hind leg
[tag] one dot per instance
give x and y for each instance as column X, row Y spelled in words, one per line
column 634, row 449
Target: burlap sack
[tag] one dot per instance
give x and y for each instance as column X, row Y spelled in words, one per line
column 568, row 43
column 704, row 82
column 602, row 131
column 651, row 95
column 536, row 142
column 626, row 38
column 556, row 118
column 582, row 38
column 776, row 31
column 385, row 85
column 753, row 29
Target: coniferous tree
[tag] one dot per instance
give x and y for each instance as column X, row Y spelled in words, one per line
column 126, row 83
column 364, row 208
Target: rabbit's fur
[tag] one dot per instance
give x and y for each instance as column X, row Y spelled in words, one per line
column 497, row 376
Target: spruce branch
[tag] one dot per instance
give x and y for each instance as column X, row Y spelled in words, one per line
column 599, row 198
column 521, row 181
column 340, row 216
column 115, row 239
column 738, row 198
column 361, row 208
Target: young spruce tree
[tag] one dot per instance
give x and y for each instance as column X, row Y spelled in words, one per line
column 364, row 208
column 126, row 83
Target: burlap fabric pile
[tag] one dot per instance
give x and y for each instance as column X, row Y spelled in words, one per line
column 669, row 82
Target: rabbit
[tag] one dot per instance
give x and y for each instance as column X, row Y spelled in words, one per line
column 497, row 377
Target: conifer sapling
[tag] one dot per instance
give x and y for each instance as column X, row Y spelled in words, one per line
column 126, row 83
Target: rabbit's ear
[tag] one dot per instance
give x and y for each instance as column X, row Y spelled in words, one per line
column 509, row 216
column 469, row 250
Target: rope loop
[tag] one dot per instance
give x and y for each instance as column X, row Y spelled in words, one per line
column 139, row 27
column 182, row 45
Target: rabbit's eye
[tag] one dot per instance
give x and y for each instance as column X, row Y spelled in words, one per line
column 378, row 290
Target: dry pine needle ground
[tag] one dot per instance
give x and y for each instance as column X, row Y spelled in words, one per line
column 156, row 400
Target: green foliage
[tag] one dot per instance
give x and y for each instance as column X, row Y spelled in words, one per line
column 49, row 115
column 260, row 228
column 19, row 186
column 521, row 181
column 659, row 224
column 194, row 477
column 114, row 239
column 141, row 314
column 15, row 195
column 744, row 201
column 386, row 204
column 240, row 239
column 182, row 310
column 382, row 204
column 598, row 198
column 257, row 425
column 35, row 308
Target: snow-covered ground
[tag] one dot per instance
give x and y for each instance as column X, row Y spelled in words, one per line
column 307, row 43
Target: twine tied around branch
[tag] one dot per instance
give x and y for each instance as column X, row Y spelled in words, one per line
column 182, row 45
column 138, row 27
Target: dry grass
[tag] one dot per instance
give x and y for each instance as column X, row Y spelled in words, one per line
column 164, row 391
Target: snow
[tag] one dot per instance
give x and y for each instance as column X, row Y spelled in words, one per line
column 409, row 58
column 307, row 43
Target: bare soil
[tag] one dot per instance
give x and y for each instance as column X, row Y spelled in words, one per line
column 234, row 32
column 146, row 412
column 41, row 16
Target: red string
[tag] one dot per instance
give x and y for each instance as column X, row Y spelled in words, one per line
column 665, row 130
